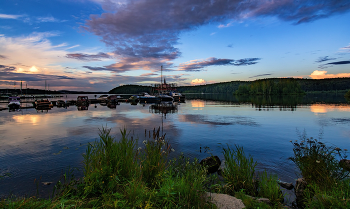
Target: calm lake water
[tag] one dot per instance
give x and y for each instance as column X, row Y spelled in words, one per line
column 42, row 145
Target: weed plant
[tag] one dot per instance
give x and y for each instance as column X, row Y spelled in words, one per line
column 319, row 163
column 328, row 183
column 239, row 171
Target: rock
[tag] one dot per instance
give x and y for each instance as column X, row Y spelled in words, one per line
column 224, row 201
column 222, row 168
column 344, row 163
column 212, row 163
column 285, row 185
column 300, row 186
column 264, row 200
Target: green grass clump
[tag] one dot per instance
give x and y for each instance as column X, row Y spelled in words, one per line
column 269, row 188
column 338, row 196
column 240, row 176
column 239, row 171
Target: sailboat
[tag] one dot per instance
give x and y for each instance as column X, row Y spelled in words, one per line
column 162, row 92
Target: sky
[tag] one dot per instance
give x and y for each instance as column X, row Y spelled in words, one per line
column 97, row 45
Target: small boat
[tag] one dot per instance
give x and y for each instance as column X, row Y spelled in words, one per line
column 178, row 97
column 144, row 97
column 43, row 104
column 134, row 99
column 102, row 97
column 14, row 103
column 61, row 103
column 113, row 98
column 165, row 98
column 82, row 100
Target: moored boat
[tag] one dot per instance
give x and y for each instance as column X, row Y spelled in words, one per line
column 42, row 104
column 144, row 97
column 14, row 103
column 82, row 100
column 178, row 97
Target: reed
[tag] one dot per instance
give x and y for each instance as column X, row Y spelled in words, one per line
column 239, row 172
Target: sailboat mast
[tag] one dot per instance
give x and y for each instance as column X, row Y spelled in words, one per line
column 161, row 79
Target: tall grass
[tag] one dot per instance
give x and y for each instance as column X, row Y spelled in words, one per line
column 241, row 178
column 239, row 171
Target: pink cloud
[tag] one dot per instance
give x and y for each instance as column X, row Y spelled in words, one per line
column 321, row 74
column 198, row 81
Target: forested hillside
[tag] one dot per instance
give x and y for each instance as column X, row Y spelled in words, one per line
column 130, row 89
column 280, row 86
column 307, row 85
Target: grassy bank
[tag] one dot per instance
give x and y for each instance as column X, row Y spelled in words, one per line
column 118, row 174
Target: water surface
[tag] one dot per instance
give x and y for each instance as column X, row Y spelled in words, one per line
column 41, row 145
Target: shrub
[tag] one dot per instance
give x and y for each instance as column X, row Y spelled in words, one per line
column 319, row 163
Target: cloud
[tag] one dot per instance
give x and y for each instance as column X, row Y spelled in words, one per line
column 198, row 81
column 48, row 19
column 330, row 64
column 134, row 63
column 5, row 16
column 89, row 57
column 151, row 29
column 149, row 74
column 346, row 47
column 324, row 59
column 339, row 63
column 4, row 68
column 323, row 74
column 2, row 57
column 260, row 75
column 196, row 65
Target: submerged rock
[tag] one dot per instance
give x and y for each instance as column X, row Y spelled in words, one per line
column 213, row 163
column 286, row 185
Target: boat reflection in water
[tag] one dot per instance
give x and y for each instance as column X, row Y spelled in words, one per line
column 83, row 107
column 164, row 107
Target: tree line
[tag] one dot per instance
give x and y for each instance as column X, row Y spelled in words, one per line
column 262, row 86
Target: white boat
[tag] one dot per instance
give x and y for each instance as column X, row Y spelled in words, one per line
column 177, row 96
column 144, row 97
column 14, row 103
column 165, row 98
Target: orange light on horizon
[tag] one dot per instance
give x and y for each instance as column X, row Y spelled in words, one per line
column 198, row 105
column 324, row 108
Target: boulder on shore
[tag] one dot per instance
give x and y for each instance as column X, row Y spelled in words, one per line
column 224, row 201
column 212, row 163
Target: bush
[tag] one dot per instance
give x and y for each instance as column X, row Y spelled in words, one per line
column 319, row 163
